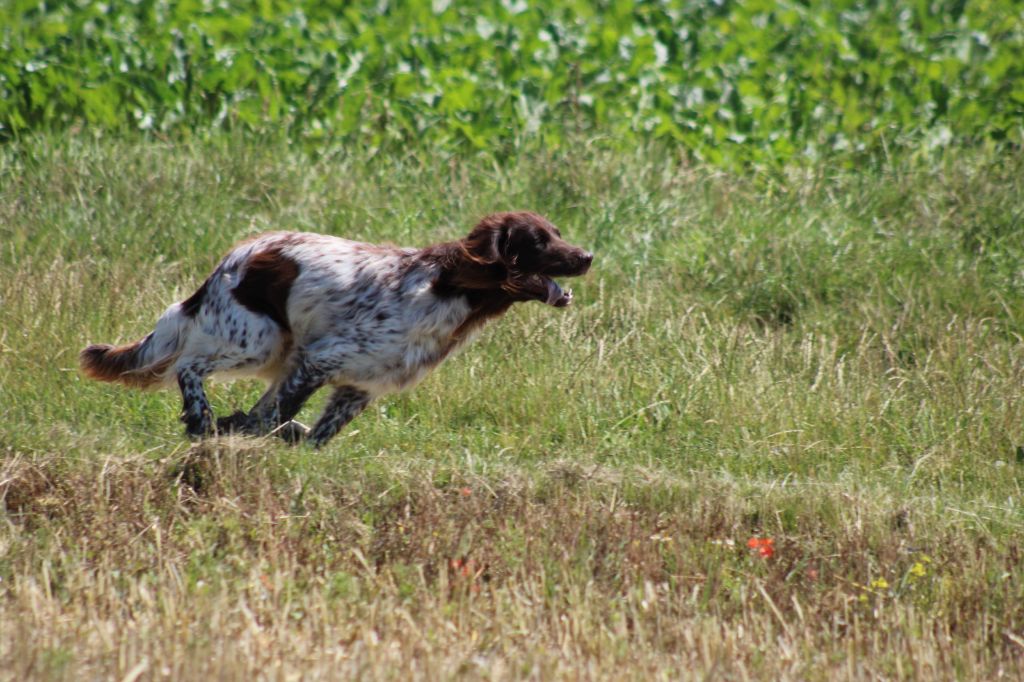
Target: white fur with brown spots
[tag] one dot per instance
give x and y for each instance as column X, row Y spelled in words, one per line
column 305, row 310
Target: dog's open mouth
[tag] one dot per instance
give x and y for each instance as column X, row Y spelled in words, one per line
column 544, row 289
column 555, row 295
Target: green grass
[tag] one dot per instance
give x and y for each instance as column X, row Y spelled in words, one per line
column 825, row 357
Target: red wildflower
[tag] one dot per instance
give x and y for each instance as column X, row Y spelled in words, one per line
column 466, row 492
column 467, row 569
column 765, row 547
column 464, row 567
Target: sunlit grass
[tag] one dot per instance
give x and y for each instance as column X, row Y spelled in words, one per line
column 831, row 361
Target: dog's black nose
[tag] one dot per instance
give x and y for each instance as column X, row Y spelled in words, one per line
column 586, row 259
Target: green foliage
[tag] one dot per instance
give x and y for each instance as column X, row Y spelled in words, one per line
column 732, row 82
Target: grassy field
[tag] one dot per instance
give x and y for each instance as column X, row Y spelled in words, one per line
column 829, row 359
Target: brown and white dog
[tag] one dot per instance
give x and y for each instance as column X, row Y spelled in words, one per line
column 306, row 310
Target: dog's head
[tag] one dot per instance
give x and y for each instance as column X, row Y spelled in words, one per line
column 523, row 252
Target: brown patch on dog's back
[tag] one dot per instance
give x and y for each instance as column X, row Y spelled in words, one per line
column 267, row 283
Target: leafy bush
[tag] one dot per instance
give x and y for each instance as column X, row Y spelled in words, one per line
column 732, row 82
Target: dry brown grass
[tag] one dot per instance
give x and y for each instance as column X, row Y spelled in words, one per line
column 219, row 563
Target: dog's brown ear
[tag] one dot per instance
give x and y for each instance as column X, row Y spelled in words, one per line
column 501, row 242
column 487, row 243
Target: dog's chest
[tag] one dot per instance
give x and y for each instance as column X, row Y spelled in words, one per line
column 397, row 352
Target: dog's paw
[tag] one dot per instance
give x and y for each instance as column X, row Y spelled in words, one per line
column 234, row 423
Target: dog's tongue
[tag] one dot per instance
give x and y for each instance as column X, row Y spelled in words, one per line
column 556, row 296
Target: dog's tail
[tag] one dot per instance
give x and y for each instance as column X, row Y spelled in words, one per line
column 143, row 363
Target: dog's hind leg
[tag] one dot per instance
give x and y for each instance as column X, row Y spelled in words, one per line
column 195, row 410
column 240, row 422
column 345, row 404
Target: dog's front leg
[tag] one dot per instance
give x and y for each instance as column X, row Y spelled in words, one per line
column 277, row 408
column 345, row 404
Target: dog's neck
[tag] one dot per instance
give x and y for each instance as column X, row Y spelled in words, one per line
column 463, row 272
